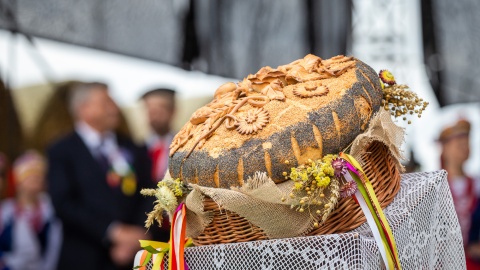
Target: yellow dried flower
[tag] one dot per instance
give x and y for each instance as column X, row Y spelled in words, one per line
column 327, row 169
column 293, row 174
column 328, row 158
column 310, row 180
column 177, row 191
column 387, row 77
column 304, row 176
column 298, row 186
column 323, row 182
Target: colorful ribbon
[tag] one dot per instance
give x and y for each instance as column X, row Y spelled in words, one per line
column 176, row 259
column 366, row 198
column 155, row 251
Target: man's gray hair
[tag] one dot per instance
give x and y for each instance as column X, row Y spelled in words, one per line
column 80, row 93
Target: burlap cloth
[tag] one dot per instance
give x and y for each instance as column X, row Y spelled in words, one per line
column 259, row 200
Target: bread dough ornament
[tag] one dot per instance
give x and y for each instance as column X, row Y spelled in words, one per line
column 276, row 119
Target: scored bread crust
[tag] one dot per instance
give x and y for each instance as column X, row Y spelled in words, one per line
column 276, row 119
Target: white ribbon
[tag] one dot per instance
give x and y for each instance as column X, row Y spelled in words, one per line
column 371, row 221
column 117, row 160
column 177, row 232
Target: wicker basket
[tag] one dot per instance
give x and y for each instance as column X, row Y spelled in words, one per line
column 382, row 170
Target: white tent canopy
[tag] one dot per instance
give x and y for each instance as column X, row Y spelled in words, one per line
column 128, row 77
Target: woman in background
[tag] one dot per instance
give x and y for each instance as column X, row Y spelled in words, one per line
column 30, row 234
column 465, row 189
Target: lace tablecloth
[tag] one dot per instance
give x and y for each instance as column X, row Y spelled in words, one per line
column 422, row 218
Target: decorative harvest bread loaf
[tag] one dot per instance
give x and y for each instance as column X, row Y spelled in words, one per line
column 276, row 119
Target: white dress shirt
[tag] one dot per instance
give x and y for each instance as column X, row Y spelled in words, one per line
column 105, row 144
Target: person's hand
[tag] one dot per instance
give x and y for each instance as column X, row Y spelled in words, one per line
column 122, row 255
column 126, row 234
column 125, row 244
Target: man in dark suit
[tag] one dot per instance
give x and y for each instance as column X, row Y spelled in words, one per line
column 94, row 180
column 160, row 105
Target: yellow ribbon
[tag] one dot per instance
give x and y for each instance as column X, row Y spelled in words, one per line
column 159, row 248
column 393, row 251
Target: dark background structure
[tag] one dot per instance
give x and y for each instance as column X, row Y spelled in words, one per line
column 234, row 38
column 451, row 34
column 228, row 38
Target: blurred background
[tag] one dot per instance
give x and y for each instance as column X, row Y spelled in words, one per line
column 195, row 46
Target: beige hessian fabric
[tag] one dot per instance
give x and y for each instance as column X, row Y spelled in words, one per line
column 259, row 200
column 383, row 129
